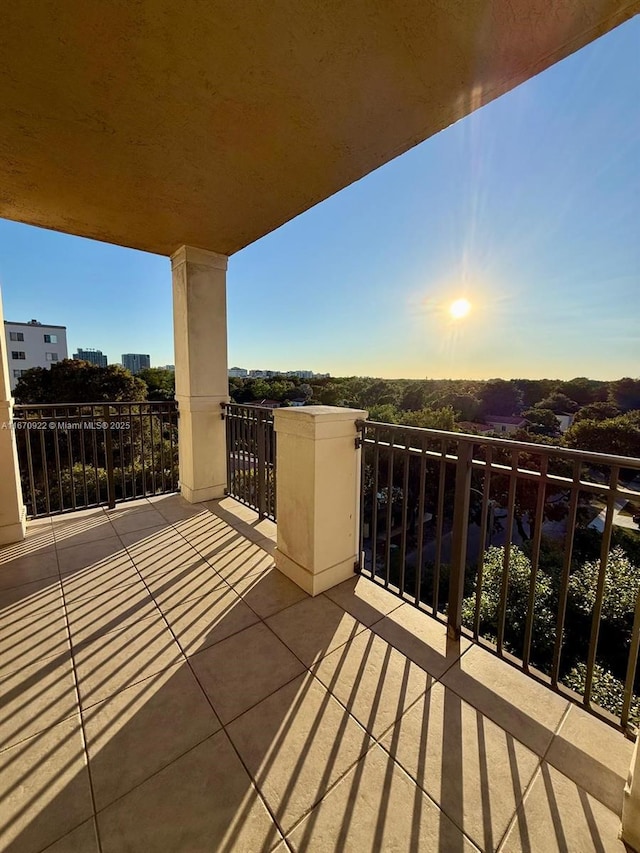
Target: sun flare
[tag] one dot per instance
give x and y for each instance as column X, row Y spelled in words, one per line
column 459, row 309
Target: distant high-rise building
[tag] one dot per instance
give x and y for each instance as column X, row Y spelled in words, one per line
column 237, row 372
column 171, row 367
column 33, row 344
column 135, row 361
column 93, row 356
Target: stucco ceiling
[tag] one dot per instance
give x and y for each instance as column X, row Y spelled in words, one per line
column 157, row 123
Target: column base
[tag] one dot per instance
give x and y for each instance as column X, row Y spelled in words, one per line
column 197, row 496
column 10, row 533
column 314, row 583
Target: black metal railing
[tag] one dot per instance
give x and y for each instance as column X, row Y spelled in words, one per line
column 531, row 549
column 75, row 456
column 251, row 457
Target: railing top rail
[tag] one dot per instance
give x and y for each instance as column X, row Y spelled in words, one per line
column 505, row 443
column 24, row 406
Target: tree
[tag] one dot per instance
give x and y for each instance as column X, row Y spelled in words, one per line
column 160, row 382
column 620, row 436
column 541, row 422
column 517, row 602
column 72, row 381
column 444, row 419
column 583, row 390
column 622, row 581
column 558, row 403
column 597, row 412
column 500, row 397
column 625, row 393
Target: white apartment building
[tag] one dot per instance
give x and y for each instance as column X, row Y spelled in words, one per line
column 33, row 344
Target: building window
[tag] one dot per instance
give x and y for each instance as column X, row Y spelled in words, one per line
column 16, row 336
column 18, row 373
column 51, row 339
column 51, row 356
column 18, row 354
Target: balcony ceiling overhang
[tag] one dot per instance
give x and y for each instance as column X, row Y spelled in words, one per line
column 158, row 123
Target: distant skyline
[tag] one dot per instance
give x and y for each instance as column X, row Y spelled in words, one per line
column 529, row 210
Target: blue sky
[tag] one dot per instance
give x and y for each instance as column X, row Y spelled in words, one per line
column 529, row 208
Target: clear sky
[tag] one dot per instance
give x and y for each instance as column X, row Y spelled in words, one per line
column 529, row 209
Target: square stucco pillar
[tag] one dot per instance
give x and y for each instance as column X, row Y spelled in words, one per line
column 12, row 512
column 200, row 340
column 631, row 803
column 318, row 494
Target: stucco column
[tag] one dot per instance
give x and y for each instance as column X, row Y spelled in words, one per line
column 12, row 512
column 318, row 494
column 631, row 803
column 200, row 339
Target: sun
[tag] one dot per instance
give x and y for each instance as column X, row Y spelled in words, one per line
column 459, row 309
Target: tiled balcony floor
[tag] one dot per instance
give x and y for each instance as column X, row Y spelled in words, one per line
column 163, row 688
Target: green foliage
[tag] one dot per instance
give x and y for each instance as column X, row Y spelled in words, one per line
column 444, row 419
column 619, row 435
column 558, row 403
column 500, row 397
column 541, row 422
column 607, row 691
column 71, row 381
column 160, row 382
column 597, row 412
column 625, row 393
column 517, row 602
column 622, row 581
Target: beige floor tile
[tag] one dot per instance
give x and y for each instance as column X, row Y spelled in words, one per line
column 175, row 508
column 78, row 516
column 204, row 621
column 243, row 561
column 28, row 601
column 101, row 578
column 161, row 551
column 240, row 671
column 93, row 615
column 594, row 755
column 528, row 710
column 296, row 744
column 140, row 730
column 194, row 579
column 268, row 545
column 111, row 662
column 421, row 638
column 90, row 554
column 475, row 771
column 37, row 635
column 41, row 563
column 374, row 681
column 204, row 801
column 73, row 533
column 559, row 816
column 36, row 697
column 269, row 592
column 137, row 520
column 208, row 534
column 35, row 541
column 376, row 807
column 364, row 599
column 314, row 627
column 44, row 789
column 82, row 839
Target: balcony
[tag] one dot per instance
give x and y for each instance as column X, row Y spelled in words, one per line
column 165, row 688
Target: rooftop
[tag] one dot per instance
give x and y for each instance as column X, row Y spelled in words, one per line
column 165, row 688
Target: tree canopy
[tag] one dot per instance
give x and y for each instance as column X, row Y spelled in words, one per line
column 72, row 381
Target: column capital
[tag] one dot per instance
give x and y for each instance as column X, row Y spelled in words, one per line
column 202, row 257
column 317, row 422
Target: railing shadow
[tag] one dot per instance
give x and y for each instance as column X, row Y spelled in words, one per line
column 165, row 773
